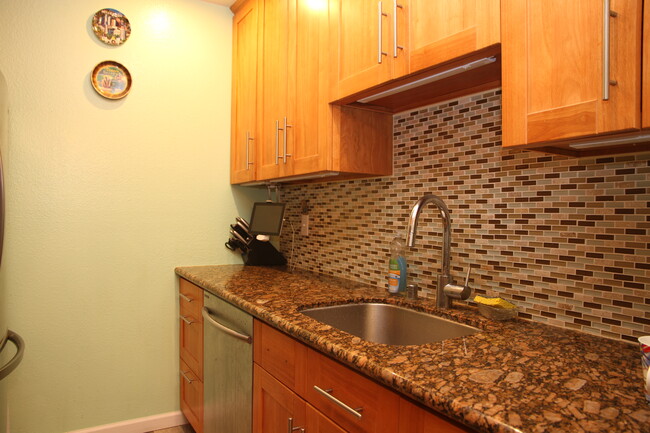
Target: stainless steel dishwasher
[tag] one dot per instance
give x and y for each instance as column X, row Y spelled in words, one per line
column 227, row 367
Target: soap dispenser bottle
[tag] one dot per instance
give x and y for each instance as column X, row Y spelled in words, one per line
column 397, row 267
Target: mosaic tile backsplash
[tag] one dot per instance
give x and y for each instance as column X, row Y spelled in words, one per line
column 566, row 239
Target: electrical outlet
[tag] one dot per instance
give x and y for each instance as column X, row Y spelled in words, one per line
column 304, row 225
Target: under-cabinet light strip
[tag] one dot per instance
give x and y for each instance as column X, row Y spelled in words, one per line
column 611, row 142
column 430, row 79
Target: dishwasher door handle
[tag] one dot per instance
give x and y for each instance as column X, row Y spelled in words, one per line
column 207, row 316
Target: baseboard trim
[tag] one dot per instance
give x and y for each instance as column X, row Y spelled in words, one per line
column 139, row 425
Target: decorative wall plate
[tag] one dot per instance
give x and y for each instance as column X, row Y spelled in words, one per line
column 111, row 80
column 111, row 26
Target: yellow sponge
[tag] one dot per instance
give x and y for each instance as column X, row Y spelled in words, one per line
column 494, row 302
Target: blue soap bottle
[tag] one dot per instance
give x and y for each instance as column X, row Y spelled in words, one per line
column 397, row 266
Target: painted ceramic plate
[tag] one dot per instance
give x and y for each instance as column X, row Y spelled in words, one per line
column 111, row 80
column 111, row 26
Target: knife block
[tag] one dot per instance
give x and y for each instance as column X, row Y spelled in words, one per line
column 263, row 254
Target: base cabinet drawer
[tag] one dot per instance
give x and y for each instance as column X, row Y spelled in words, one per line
column 349, row 399
column 191, row 353
column 191, row 397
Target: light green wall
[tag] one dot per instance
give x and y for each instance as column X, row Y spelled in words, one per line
column 105, row 198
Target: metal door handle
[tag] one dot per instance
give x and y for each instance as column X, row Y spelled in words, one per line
column 185, row 297
column 248, row 140
column 184, row 374
column 607, row 13
column 10, row 366
column 277, row 142
column 286, row 125
column 207, row 316
column 395, row 46
column 291, row 428
column 380, row 16
column 186, row 320
column 327, row 393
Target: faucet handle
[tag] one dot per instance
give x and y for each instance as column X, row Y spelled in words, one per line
column 469, row 271
column 456, row 291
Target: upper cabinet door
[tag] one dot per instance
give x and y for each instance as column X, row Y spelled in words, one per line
column 558, row 81
column 277, row 52
column 244, row 93
column 309, row 140
column 645, row 98
column 441, row 30
column 367, row 53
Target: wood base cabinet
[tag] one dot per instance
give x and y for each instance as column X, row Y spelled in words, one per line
column 570, row 69
column 191, row 353
column 296, row 387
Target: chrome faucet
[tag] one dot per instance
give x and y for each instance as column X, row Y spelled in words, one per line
column 446, row 290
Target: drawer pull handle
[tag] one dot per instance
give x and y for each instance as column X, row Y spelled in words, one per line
column 186, row 320
column 327, row 393
column 185, row 298
column 291, row 428
column 183, row 373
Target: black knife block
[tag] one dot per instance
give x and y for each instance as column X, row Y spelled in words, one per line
column 263, row 254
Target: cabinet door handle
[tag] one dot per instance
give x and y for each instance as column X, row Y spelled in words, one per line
column 291, row 428
column 277, row 142
column 248, row 140
column 184, row 374
column 286, row 125
column 328, row 393
column 186, row 320
column 395, row 45
column 185, row 297
column 380, row 16
column 607, row 13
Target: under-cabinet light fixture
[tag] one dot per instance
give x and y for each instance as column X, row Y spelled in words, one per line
column 611, row 141
column 430, row 79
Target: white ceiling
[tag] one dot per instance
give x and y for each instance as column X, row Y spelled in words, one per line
column 221, row 2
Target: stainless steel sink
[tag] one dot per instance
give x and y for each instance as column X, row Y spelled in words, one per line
column 389, row 324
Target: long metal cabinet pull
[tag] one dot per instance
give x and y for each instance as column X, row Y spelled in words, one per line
column 380, row 16
column 291, row 428
column 248, row 140
column 184, row 374
column 185, row 297
column 286, row 125
column 395, row 46
column 210, row 319
column 326, row 392
column 277, row 142
column 607, row 13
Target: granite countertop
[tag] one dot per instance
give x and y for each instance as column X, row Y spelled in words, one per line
column 515, row 376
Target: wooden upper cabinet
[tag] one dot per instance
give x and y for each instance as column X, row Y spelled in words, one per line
column 554, row 69
column 274, row 88
column 380, row 41
column 645, row 97
column 367, row 52
column 296, row 128
column 244, row 94
column 441, row 30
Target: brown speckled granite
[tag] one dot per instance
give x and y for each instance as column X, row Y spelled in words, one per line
column 514, row 376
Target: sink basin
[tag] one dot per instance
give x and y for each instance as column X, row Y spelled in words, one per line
column 389, row 324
